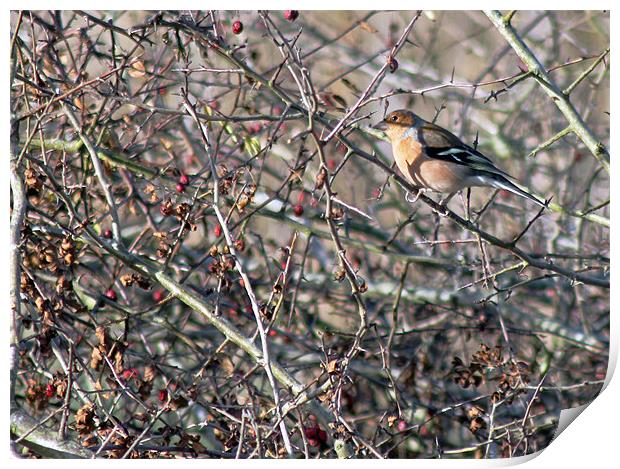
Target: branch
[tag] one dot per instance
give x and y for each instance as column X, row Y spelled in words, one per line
column 561, row 100
column 264, row 360
column 372, row 86
column 103, row 181
column 530, row 259
column 17, row 218
column 44, row 441
column 191, row 299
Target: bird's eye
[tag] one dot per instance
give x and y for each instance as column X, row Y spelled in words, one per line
column 394, row 118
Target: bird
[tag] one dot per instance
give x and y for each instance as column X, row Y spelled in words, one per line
column 432, row 158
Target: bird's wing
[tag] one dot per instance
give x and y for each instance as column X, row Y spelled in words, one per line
column 444, row 145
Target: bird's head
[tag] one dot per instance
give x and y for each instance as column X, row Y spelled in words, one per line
column 397, row 123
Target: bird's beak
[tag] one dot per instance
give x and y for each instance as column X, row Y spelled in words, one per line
column 381, row 125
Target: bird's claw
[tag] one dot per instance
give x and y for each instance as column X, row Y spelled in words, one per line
column 415, row 199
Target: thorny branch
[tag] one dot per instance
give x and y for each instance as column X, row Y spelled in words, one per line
column 175, row 166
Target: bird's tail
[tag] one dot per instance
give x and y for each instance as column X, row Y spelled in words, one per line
column 500, row 182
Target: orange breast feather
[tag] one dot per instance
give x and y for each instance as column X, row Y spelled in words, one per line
column 427, row 172
column 407, row 154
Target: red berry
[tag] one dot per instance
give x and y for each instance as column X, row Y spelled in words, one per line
column 107, row 233
column 163, row 395
column 158, row 295
column 180, row 187
column 110, row 294
column 273, row 333
column 129, row 373
column 331, row 164
column 315, row 435
column 402, row 425
column 217, row 231
column 237, row 27
column 184, row 179
column 291, row 15
column 310, row 432
column 299, row 210
column 49, row 390
column 255, row 127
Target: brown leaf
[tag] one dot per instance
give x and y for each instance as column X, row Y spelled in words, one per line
column 127, row 280
column 84, row 419
column 475, row 411
column 90, row 441
column 102, row 336
column 477, row 424
column 137, row 69
column 332, row 366
column 96, row 358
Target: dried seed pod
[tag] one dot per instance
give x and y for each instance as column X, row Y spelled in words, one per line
column 243, row 201
column 320, row 179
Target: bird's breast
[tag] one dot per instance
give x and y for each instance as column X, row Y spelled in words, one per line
column 426, row 172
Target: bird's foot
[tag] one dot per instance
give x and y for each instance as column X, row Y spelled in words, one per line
column 415, row 198
column 443, row 203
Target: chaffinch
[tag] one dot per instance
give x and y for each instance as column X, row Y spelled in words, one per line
column 431, row 157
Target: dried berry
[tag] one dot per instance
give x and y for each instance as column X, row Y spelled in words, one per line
column 254, row 127
column 213, row 251
column 166, row 208
column 393, row 64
